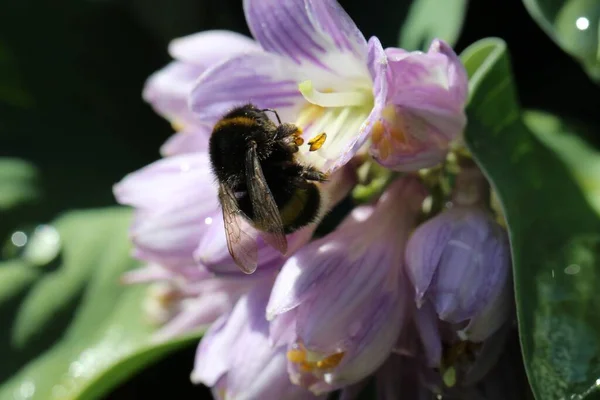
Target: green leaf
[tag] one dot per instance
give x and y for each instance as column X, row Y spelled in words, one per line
column 574, row 25
column 554, row 232
column 430, row 19
column 18, row 183
column 76, row 331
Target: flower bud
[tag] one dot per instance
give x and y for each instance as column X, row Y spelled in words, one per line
column 460, row 262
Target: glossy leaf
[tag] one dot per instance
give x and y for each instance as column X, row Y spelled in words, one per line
column 430, row 19
column 18, row 183
column 554, row 232
column 76, row 331
column 574, row 25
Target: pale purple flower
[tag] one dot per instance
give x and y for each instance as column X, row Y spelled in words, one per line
column 167, row 89
column 423, row 111
column 185, row 299
column 342, row 299
column 459, row 261
column 176, row 201
column 237, row 360
column 318, row 71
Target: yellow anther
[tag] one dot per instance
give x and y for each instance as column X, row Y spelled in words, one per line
column 316, row 142
column 331, row 361
column 377, row 132
column 296, row 356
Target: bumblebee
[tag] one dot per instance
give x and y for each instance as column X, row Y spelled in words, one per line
column 261, row 182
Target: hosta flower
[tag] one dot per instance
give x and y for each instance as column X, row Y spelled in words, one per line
column 342, row 299
column 176, row 201
column 459, row 261
column 167, row 90
column 318, row 71
column 423, row 110
column 184, row 299
column 236, row 357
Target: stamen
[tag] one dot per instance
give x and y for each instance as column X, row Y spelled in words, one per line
column 297, row 356
column 339, row 99
column 316, row 142
column 298, row 141
column 309, row 113
column 331, row 361
column 312, row 362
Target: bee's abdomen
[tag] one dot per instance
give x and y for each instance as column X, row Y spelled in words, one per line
column 301, row 209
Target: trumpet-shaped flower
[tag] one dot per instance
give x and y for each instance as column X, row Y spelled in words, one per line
column 342, row 298
column 460, row 262
column 318, row 71
column 183, row 299
column 423, row 111
column 236, row 357
column 167, row 89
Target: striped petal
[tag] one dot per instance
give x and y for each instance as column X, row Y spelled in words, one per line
column 167, row 89
column 266, row 80
column 209, row 47
column 424, row 111
column 310, row 32
column 192, row 140
column 173, row 198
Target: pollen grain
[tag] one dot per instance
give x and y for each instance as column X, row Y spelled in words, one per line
column 377, row 132
column 318, row 141
column 296, row 356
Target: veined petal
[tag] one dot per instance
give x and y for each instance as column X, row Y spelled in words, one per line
column 424, row 112
column 164, row 182
column 493, row 315
column 174, row 198
column 440, row 66
column 308, row 32
column 347, row 292
column 347, row 126
column 196, row 313
column 212, row 355
column 266, row 80
column 433, row 236
column 458, row 260
column 236, row 355
column 212, row 252
column 167, row 90
column 407, row 142
column 148, row 273
column 189, row 140
column 210, row 47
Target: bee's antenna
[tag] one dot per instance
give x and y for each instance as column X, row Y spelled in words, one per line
column 274, row 112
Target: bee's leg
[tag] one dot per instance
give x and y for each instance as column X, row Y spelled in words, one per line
column 313, row 174
column 274, row 112
column 289, row 130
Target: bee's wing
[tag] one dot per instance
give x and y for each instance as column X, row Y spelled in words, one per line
column 266, row 213
column 241, row 244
